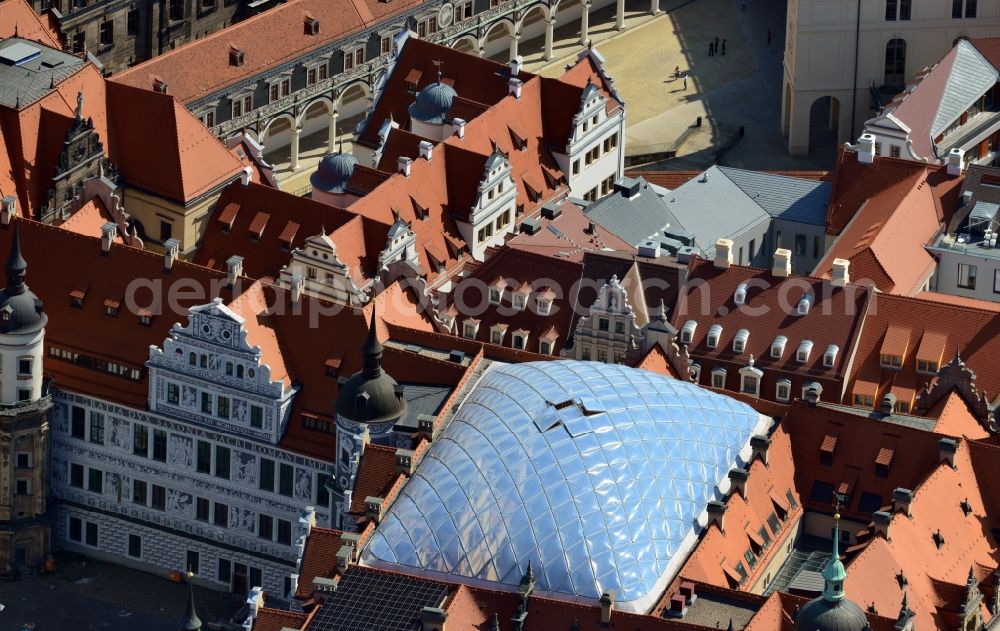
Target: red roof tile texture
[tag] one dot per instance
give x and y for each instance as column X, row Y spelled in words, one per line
column 267, row 40
column 377, row 473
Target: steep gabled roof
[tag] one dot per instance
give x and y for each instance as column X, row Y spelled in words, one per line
column 17, row 16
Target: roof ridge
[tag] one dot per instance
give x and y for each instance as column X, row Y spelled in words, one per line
column 924, row 301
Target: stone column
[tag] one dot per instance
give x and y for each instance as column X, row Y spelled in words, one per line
column 654, row 7
column 585, row 23
column 296, row 131
column 620, row 15
column 550, row 27
column 514, row 39
column 331, row 132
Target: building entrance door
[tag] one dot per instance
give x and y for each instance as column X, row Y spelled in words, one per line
column 240, row 579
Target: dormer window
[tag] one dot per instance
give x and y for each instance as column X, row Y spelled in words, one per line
column 311, row 26
column 783, row 390
column 687, row 331
column 778, row 346
column 740, row 341
column 544, row 306
column 519, row 301
column 891, row 361
column 470, row 328
column 719, row 378
column 236, row 57
column 519, row 340
column 714, row 333
column 802, row 354
column 804, row 304
column 830, row 356
column 545, row 347
column 497, row 334
column 496, row 293
column 740, row 296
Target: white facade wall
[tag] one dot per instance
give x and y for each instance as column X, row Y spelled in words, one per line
column 587, row 136
column 946, row 276
column 14, row 349
column 177, row 528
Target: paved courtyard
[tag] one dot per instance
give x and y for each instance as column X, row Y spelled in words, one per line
column 89, row 595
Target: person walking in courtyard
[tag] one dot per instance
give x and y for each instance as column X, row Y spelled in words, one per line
column 685, row 82
column 716, row 42
column 723, row 48
column 677, row 72
column 711, row 49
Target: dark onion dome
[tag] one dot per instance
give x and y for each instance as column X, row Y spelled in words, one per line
column 20, row 310
column 371, row 396
column 334, row 171
column 832, row 611
column 433, row 102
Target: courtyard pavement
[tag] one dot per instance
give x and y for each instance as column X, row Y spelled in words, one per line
column 89, row 595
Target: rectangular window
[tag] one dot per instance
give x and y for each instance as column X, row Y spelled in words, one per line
column 265, row 527
column 322, row 493
column 92, row 534
column 132, row 22
column 966, row 276
column 385, row 46
column 193, row 561
column 222, row 462
column 225, row 571
column 22, row 487
column 266, row 474
column 176, row 10
column 204, row 457
column 23, row 460
column 904, row 9
column 78, row 423
column 285, row 475
column 222, row 407
column 206, row 402
column 956, row 8
column 78, row 42
column 159, row 496
column 890, row 10
column 894, row 151
column 160, row 445
column 173, row 393
column 108, row 33
column 75, row 529
column 256, row 416
column 221, row 515
column 284, row 532
column 256, row 577
column 135, row 546
column 139, row 492
column 800, row 245
column 996, row 281
column 76, row 475
column 97, row 428
column 95, row 481
column 201, row 510
column 140, row 440
column 749, row 384
column 970, row 8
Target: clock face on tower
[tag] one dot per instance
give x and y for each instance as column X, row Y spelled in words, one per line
column 445, row 14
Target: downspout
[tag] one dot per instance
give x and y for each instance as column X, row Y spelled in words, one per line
column 857, row 48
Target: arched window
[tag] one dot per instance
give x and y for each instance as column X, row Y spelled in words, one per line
column 895, row 63
column 239, row 371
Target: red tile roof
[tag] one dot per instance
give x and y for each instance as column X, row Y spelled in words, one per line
column 769, row 310
column 17, row 16
column 267, row 40
column 377, row 473
column 673, row 179
column 277, row 619
column 318, row 558
column 570, row 236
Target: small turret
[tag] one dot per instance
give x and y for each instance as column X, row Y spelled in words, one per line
column 190, row 620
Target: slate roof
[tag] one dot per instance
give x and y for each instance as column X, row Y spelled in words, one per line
column 969, row 77
column 23, row 83
column 633, row 219
column 781, row 196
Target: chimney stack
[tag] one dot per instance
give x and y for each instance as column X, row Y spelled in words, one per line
column 234, row 269
column 108, row 233
column 458, row 124
column 946, row 451
column 256, row 600
column 433, row 619
column 607, row 605
column 716, row 514
column 514, row 87
column 866, row 148
column 738, row 481
column 373, row 508
column 723, row 253
column 880, row 523
column 245, row 176
column 9, row 209
column 405, row 462
column 814, row 391
column 901, row 499
column 782, row 266
column 515, row 66
column 171, row 252
column 426, row 150
column 956, row 159
column 888, row 405
column 404, row 165
column 298, row 284
column 760, row 445
column 841, row 272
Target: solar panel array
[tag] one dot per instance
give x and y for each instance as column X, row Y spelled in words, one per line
column 370, row 600
column 595, row 473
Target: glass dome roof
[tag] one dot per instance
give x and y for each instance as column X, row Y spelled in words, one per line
column 598, row 474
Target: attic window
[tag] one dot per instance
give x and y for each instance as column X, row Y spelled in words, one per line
column 312, row 26
column 520, row 143
column 78, row 295
column 830, row 356
column 228, row 216
column 826, row 449
column 288, row 235
column 778, row 346
column 938, row 539
column 740, row 341
column 740, row 295
column 161, row 86
column 714, row 333
column 111, row 305
column 802, row 354
column 687, row 331
column 236, row 57
column 804, row 304
column 146, row 319
column 258, row 224
column 883, row 461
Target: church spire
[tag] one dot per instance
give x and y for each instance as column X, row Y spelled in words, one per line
column 834, row 573
column 16, row 266
column 190, row 621
column 371, row 352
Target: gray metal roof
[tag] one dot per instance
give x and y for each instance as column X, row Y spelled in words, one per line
column 632, row 219
column 29, row 69
column 971, row 75
column 790, row 198
column 420, row 400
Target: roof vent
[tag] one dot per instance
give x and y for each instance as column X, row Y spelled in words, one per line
column 649, row 249
column 946, row 451
column 312, row 26
column 236, row 57
column 888, row 403
column 19, row 53
column 530, row 226
column 551, row 210
column 456, row 357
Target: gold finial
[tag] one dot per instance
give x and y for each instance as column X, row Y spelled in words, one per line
column 836, row 515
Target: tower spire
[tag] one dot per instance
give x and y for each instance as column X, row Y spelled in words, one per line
column 190, row 620
column 371, row 352
column 16, row 266
column 834, row 573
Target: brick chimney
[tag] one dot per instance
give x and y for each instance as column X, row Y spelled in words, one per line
column 880, row 523
column 403, row 164
column 738, row 481
column 108, row 233
column 782, row 266
column 458, row 124
column 426, row 150
column 607, row 606
column 245, row 175
column 723, row 253
column 946, row 451
column 515, row 66
column 298, row 285
column 171, row 252
column 514, row 87
column 234, row 269
column 9, row 209
column 760, row 446
column 901, row 499
column 841, row 273
column 404, row 461
column 716, row 514
column 373, row 508
column 866, row 148
column 433, row 619
column 956, row 160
